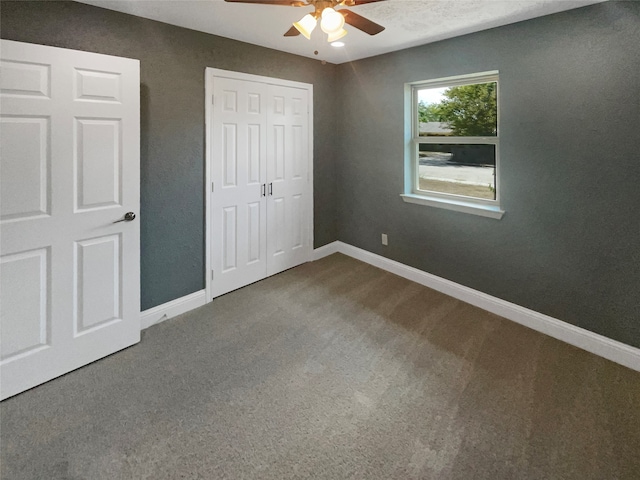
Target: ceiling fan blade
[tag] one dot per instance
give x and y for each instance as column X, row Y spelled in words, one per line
column 353, row 3
column 285, row 3
column 292, row 32
column 361, row 23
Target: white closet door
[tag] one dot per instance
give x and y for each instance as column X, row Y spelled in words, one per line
column 288, row 242
column 69, row 168
column 238, row 172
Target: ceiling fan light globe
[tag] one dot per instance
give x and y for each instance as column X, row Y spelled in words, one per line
column 306, row 25
column 332, row 37
column 331, row 21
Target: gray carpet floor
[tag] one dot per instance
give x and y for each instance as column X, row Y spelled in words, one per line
column 332, row 370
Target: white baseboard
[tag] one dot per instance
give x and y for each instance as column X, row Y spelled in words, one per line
column 579, row 337
column 171, row 309
column 326, row 250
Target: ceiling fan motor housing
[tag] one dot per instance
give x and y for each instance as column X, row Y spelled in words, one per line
column 331, row 27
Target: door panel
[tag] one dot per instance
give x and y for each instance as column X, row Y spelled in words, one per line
column 254, row 154
column 278, row 152
column 98, row 86
column 97, row 282
column 97, row 163
column 238, row 150
column 288, row 237
column 297, row 224
column 255, row 212
column 25, row 167
column 229, row 157
column 70, row 168
column 25, row 280
column 24, row 78
column 278, row 234
column 230, row 238
column 297, row 154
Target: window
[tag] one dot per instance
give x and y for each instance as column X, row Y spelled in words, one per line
column 454, row 151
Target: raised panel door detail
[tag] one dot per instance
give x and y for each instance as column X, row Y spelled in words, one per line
column 97, row 86
column 253, row 214
column 296, row 139
column 278, row 152
column 230, row 101
column 25, row 79
column 296, row 106
column 229, row 238
column 253, row 103
column 24, row 310
column 97, row 162
column 278, row 105
column 25, row 167
column 296, row 223
column 280, row 228
column 253, row 153
column 98, row 283
column 229, row 155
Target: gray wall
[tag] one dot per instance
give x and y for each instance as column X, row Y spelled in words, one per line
column 568, row 245
column 172, row 63
column 570, row 137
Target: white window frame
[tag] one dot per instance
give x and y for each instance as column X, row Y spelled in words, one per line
column 478, row 206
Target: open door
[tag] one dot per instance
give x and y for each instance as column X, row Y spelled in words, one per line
column 70, row 183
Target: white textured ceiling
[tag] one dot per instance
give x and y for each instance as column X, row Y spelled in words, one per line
column 408, row 22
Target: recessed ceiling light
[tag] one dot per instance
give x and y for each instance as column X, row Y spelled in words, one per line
column 337, row 44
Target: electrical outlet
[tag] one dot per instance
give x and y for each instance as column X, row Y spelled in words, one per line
column 385, row 239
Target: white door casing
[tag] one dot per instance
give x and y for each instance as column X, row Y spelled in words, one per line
column 257, row 124
column 69, row 168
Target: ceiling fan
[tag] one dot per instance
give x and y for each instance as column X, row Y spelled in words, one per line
column 331, row 20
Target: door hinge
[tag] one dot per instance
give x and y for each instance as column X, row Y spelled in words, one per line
column 211, row 274
column 213, row 99
column 212, row 187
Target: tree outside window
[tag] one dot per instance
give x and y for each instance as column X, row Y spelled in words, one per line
column 456, row 135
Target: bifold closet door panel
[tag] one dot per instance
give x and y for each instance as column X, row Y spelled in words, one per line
column 288, row 242
column 238, row 172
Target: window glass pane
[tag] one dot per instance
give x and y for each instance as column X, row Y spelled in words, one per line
column 460, row 111
column 468, row 170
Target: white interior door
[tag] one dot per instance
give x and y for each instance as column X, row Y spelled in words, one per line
column 238, row 214
column 70, row 277
column 288, row 242
column 259, row 143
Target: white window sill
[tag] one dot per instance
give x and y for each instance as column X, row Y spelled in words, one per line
column 491, row 211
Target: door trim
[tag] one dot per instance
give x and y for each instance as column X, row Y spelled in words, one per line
column 209, row 74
